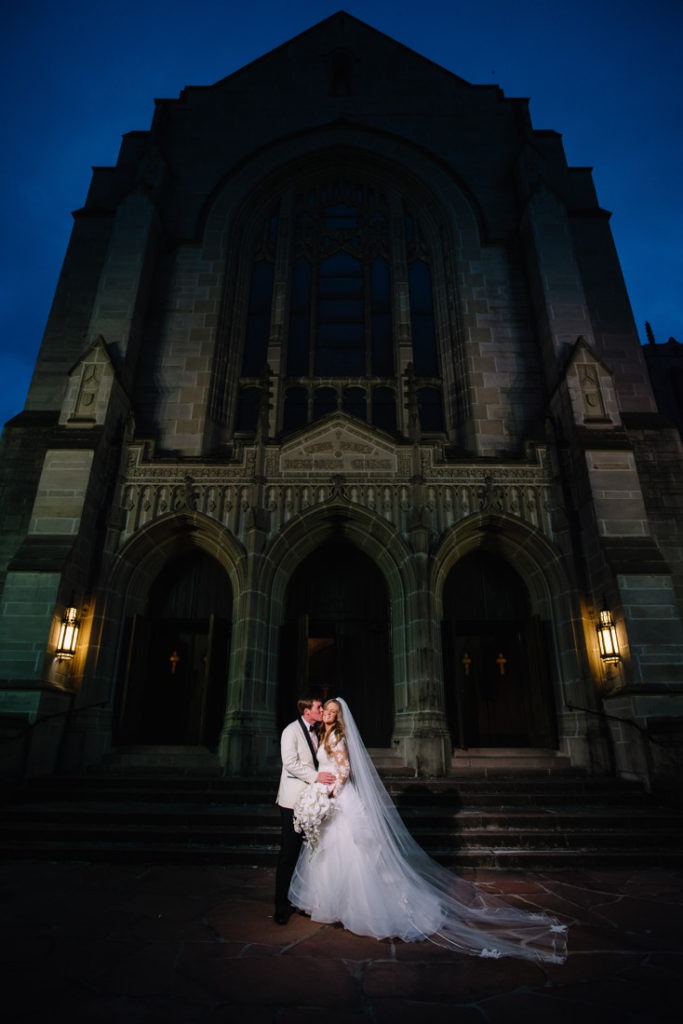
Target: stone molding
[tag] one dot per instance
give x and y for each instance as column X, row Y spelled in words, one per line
column 391, row 481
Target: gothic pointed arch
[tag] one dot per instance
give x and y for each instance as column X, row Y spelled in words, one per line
column 355, row 572
column 175, row 584
column 335, row 638
column 507, row 645
column 341, row 293
column 340, row 519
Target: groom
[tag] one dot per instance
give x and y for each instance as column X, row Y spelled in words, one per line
column 298, row 746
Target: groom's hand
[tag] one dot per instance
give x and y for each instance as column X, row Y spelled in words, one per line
column 327, row 778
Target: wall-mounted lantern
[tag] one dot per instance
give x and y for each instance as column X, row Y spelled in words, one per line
column 68, row 635
column 607, row 638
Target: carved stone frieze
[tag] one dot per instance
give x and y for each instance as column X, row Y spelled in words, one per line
column 339, row 447
column 335, row 466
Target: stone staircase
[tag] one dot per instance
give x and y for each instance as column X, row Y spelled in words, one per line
column 494, row 761
column 494, row 812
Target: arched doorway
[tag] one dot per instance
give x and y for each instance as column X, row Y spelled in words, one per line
column 498, row 687
column 175, row 674
column 335, row 638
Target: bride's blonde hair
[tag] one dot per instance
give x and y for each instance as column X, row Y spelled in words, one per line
column 338, row 730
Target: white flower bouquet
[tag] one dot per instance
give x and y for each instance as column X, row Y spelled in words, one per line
column 310, row 810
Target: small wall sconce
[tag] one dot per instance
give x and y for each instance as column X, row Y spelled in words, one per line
column 607, row 638
column 68, row 635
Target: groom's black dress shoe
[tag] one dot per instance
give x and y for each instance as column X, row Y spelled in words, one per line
column 282, row 916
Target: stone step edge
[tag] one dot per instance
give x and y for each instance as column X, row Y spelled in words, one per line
column 540, row 859
column 229, row 812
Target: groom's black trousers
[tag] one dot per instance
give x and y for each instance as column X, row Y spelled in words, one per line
column 290, row 845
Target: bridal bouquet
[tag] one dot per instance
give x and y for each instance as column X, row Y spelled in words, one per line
column 310, row 811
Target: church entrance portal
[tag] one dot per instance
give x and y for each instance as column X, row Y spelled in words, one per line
column 175, row 674
column 335, row 639
column 496, row 676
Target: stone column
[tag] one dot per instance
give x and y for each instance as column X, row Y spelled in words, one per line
column 421, row 732
column 246, row 739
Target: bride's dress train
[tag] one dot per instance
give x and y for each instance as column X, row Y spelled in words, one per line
column 370, row 875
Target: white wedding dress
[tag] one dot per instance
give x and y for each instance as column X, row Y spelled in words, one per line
column 367, row 873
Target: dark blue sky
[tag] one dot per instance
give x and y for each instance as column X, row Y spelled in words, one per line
column 78, row 75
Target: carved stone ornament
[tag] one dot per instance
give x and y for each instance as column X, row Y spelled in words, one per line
column 338, row 446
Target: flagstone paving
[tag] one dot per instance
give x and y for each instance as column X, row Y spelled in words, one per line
column 141, row 944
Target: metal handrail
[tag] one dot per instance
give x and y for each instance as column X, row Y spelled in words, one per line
column 615, row 718
column 28, row 726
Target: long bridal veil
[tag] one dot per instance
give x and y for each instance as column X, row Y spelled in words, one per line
column 467, row 920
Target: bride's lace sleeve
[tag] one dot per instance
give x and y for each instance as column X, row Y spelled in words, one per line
column 342, row 768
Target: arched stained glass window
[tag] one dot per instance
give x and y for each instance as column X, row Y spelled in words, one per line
column 248, row 410
column 426, row 368
column 425, row 358
column 299, row 319
column 384, row 409
column 296, row 409
column 354, row 402
column 353, row 302
column 258, row 320
column 382, row 335
column 340, row 334
column 430, row 410
column 324, row 401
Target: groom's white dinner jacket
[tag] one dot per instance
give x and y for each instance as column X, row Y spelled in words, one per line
column 298, row 764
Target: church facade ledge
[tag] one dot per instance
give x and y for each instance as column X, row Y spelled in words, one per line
column 339, row 466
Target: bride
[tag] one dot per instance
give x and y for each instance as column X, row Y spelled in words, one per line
column 359, row 866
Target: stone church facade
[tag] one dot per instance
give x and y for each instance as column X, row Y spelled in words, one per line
column 341, row 393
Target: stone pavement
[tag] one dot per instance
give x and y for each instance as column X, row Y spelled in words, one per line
column 141, row 944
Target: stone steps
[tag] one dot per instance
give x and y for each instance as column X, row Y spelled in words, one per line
column 160, row 759
column 524, row 821
column 507, row 760
column 231, row 832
